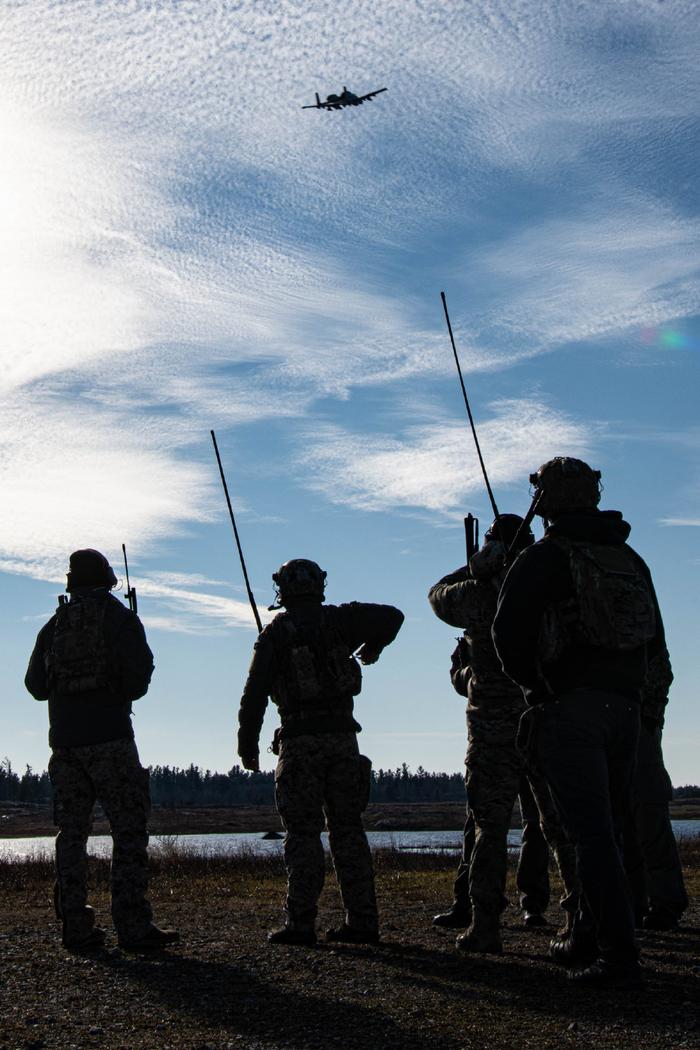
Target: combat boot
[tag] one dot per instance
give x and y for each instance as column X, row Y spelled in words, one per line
column 577, row 948
column 659, row 919
column 533, row 919
column 79, row 931
column 568, row 927
column 353, row 935
column 288, row 935
column 153, row 940
column 604, row 975
column 89, row 942
column 457, row 918
column 482, row 936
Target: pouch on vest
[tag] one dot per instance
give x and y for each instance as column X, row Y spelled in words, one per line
column 612, row 607
column 317, row 664
column 76, row 661
column 364, row 766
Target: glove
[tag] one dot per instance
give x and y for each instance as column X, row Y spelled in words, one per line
column 251, row 762
column 369, row 654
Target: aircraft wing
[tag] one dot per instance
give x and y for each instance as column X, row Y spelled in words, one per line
column 340, row 104
column 363, row 98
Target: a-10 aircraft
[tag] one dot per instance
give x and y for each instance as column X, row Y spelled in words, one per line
column 346, row 99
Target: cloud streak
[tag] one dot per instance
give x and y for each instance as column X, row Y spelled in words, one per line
column 435, row 467
column 183, row 248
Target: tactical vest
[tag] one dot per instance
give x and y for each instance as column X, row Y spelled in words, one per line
column 612, row 606
column 76, row 661
column 316, row 664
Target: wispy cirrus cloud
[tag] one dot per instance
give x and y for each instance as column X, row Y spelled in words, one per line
column 691, row 522
column 435, row 467
column 576, row 278
column 185, row 608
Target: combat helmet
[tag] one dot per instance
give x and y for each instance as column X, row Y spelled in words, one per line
column 299, row 578
column 505, row 528
column 565, row 484
column 89, row 568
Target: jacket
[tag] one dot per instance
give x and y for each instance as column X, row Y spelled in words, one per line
column 102, row 714
column 539, row 578
column 357, row 623
column 470, row 603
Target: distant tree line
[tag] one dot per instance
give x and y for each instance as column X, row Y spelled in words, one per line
column 25, row 787
column 194, row 786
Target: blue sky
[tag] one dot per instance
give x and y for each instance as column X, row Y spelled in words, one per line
column 184, row 248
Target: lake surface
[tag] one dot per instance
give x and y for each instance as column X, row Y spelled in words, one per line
column 231, row 842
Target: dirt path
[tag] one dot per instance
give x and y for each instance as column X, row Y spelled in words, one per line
column 223, row 987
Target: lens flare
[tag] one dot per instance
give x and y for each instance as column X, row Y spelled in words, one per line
column 668, row 338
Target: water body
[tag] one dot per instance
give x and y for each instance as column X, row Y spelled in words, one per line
column 231, row 842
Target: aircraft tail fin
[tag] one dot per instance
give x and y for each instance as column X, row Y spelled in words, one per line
column 318, row 101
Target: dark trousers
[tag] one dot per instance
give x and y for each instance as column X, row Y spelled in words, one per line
column 532, row 878
column 651, row 853
column 584, row 744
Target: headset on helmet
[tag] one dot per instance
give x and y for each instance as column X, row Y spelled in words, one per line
column 564, row 484
column 299, row 578
column 89, row 568
column 505, row 528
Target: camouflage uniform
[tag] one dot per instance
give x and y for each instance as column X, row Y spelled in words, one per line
column 111, row 774
column 493, row 763
column 320, row 777
column 532, row 877
column 94, row 758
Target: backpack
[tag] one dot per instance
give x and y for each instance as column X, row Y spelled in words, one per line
column 76, row 661
column 612, row 606
column 315, row 664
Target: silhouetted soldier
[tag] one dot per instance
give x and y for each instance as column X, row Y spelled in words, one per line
column 651, row 853
column 532, row 875
column 90, row 661
column 577, row 623
column 304, row 661
column 467, row 598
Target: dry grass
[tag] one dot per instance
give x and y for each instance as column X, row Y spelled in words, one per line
column 172, row 860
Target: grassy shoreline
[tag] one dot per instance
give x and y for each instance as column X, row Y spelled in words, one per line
column 172, row 858
column 27, row 821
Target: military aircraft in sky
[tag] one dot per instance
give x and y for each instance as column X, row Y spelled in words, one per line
column 346, row 99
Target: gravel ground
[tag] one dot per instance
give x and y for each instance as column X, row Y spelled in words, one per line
column 224, row 987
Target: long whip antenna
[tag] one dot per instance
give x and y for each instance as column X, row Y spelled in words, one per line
column 496, row 515
column 251, row 599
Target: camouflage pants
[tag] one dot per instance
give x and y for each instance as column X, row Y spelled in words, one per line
column 316, row 777
column 494, row 769
column 112, row 774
